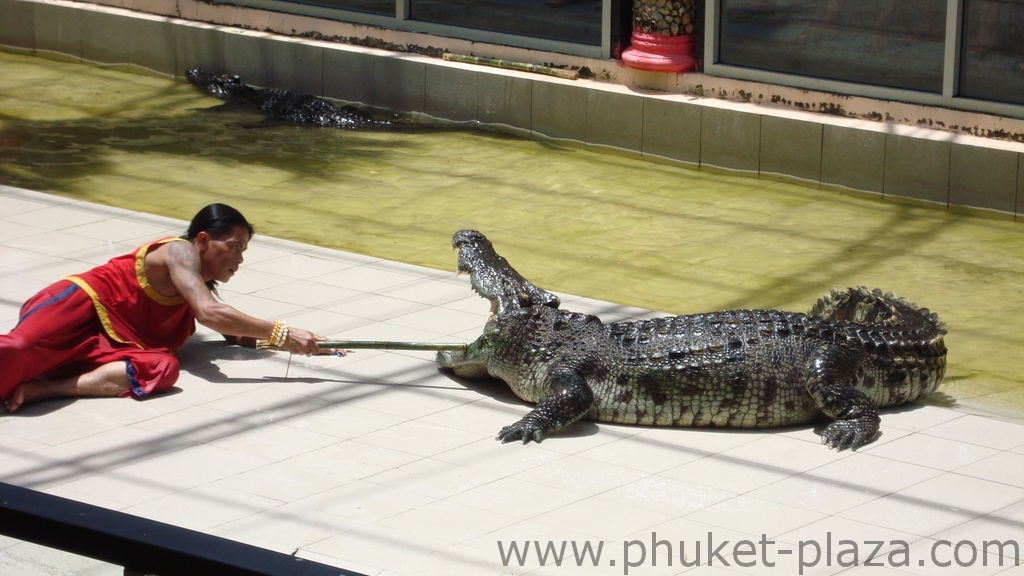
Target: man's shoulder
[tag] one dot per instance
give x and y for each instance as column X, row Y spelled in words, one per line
column 153, row 249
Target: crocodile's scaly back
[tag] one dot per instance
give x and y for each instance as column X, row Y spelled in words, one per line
column 855, row 350
column 863, row 306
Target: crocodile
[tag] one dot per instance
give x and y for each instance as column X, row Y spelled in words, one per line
column 856, row 350
column 287, row 105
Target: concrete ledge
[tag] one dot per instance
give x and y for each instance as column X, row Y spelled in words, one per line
column 140, row 545
column 882, row 158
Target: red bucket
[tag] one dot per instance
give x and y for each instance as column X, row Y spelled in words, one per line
column 659, row 53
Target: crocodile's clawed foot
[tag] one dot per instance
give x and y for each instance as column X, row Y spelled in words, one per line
column 526, row 430
column 848, row 434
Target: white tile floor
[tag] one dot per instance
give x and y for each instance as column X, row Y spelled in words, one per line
column 379, row 463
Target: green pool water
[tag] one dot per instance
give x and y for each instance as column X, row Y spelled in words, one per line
column 572, row 219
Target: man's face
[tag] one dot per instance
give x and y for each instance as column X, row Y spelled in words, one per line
column 222, row 257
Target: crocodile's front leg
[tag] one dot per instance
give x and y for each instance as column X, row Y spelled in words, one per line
column 831, row 383
column 569, row 400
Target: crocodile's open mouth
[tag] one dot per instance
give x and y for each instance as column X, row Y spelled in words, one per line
column 493, row 278
column 460, row 271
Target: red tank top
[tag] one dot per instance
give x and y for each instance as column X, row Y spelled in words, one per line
column 130, row 310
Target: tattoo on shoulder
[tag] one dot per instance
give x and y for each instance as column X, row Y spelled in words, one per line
column 184, row 266
column 182, row 254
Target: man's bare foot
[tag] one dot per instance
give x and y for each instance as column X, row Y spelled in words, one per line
column 16, row 399
column 106, row 380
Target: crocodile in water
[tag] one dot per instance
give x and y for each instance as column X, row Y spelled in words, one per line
column 287, row 105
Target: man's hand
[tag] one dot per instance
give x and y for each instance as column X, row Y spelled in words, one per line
column 302, row 341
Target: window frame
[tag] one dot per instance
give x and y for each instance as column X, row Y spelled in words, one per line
column 949, row 96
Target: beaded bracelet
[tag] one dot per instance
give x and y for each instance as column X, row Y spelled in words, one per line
column 278, row 336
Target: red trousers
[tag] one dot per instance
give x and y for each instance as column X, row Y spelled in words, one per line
column 59, row 335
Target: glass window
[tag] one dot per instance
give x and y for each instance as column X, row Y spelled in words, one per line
column 992, row 62
column 577, row 21
column 883, row 42
column 384, row 7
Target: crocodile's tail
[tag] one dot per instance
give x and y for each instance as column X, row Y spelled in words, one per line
column 873, row 307
column 904, row 339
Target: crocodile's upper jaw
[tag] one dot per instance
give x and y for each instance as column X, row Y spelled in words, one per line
column 493, row 278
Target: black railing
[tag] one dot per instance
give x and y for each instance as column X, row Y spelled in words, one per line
column 141, row 546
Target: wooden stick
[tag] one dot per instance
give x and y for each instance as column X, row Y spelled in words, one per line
column 510, row 65
column 389, row 345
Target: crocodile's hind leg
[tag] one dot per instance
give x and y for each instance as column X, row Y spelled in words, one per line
column 832, row 383
column 569, row 400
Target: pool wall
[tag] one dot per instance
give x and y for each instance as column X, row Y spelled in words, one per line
column 888, row 159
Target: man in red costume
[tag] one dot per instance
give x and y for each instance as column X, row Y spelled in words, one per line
column 113, row 330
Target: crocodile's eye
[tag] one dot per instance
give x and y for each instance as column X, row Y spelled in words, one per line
column 524, row 298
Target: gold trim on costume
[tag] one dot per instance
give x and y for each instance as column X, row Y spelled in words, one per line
column 140, row 274
column 101, row 310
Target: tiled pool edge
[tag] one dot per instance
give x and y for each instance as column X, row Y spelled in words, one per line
column 885, row 159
